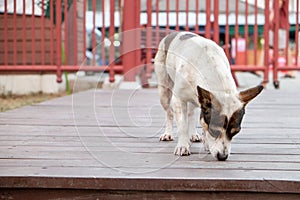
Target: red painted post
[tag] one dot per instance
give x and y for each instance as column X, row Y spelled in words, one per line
column 33, row 34
column 43, row 33
column 177, row 15
column 131, row 47
column 275, row 46
column 66, row 33
column 208, row 25
column 15, row 33
column 24, row 33
column 216, row 21
column 58, row 42
column 246, row 33
column 187, row 15
column 5, row 34
column 52, row 34
column 266, row 49
column 84, row 33
column 103, row 34
column 297, row 33
column 227, row 32
column 255, row 33
column 93, row 33
column 75, row 32
column 111, row 37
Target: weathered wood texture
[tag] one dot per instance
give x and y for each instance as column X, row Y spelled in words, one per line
column 105, row 144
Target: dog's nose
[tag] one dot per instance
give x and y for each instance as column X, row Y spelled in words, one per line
column 222, row 157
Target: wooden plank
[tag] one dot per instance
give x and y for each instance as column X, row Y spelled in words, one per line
column 108, row 140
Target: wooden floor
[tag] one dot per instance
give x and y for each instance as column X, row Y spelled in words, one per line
column 104, row 144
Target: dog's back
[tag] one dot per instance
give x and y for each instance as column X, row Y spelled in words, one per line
column 193, row 60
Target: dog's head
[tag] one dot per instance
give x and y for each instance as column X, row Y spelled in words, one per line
column 221, row 118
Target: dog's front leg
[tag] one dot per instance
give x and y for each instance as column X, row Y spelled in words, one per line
column 184, row 143
column 194, row 136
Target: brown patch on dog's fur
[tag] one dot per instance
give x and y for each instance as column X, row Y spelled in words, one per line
column 187, row 36
column 234, row 125
column 169, row 39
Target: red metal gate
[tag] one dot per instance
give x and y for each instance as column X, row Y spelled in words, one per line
column 120, row 36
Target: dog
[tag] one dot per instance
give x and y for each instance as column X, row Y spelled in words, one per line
column 194, row 72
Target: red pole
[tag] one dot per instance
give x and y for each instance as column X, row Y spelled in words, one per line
column 111, row 37
column 227, row 32
column 103, row 34
column 246, row 33
column 131, row 47
column 84, row 33
column 52, row 34
column 275, row 47
column 207, row 27
column 297, row 33
column 24, row 33
column 58, row 41
column 66, row 46
column 15, row 33
column 177, row 15
column 5, row 34
column 167, row 13
column 216, row 21
column 187, row 15
column 33, row 33
column 75, row 32
column 255, row 34
column 43, row 33
column 266, row 49
column 197, row 16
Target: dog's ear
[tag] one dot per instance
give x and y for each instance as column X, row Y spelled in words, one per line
column 249, row 94
column 204, row 97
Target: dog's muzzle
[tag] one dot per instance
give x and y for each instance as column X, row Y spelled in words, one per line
column 222, row 157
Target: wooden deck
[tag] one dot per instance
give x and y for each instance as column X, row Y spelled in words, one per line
column 104, row 144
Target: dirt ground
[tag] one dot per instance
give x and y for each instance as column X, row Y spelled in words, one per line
column 9, row 102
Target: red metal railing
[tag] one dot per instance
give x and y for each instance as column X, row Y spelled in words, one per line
column 51, row 36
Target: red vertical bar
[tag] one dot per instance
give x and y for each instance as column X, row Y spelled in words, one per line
column 66, row 32
column 275, row 47
column 255, row 33
column 5, row 34
column 75, row 33
column 287, row 38
column 93, row 33
column 157, row 23
column 43, row 32
column 103, row 34
column 246, row 32
column 208, row 25
column 197, row 17
column 15, row 33
column 52, row 34
column 84, row 33
column 177, row 15
column 227, row 31
column 236, row 28
column 187, row 15
column 167, row 13
column 216, row 21
column 33, row 34
column 111, row 36
column 266, row 46
column 297, row 33
column 24, row 33
column 58, row 41
column 149, row 32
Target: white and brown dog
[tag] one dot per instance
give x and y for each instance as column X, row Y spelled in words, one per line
column 194, row 72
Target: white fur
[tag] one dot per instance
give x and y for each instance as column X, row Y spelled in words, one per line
column 186, row 64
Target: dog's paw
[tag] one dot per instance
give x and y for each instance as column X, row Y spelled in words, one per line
column 166, row 137
column 182, row 151
column 196, row 138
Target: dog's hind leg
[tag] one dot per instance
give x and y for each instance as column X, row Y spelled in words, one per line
column 165, row 94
